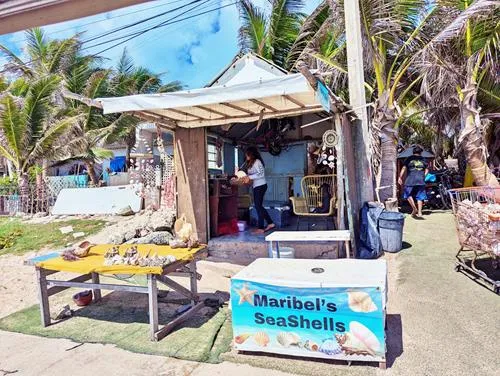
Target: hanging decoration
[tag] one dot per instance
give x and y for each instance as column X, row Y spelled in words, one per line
column 330, row 138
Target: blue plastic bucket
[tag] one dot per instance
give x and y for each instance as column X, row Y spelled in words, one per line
column 390, row 225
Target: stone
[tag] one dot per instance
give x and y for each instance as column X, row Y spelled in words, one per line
column 125, row 211
column 40, row 215
column 157, row 237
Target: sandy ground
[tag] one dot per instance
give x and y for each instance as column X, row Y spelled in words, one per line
column 440, row 322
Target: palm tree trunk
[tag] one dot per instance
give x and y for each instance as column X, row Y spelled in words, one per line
column 23, row 184
column 386, row 145
column 92, row 174
column 472, row 138
column 130, row 140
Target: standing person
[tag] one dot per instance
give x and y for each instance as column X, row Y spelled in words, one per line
column 414, row 185
column 256, row 175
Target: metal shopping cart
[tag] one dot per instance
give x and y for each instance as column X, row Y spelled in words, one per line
column 477, row 217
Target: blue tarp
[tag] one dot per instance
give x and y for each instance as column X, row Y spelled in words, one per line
column 117, row 164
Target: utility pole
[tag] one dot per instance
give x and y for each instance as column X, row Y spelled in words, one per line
column 357, row 99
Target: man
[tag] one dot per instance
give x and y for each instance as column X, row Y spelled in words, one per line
column 414, row 185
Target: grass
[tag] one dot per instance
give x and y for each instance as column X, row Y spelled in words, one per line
column 17, row 237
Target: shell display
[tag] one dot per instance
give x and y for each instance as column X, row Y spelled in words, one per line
column 287, row 339
column 330, row 347
column 83, row 249
column 311, row 346
column 241, row 338
column 360, row 301
column 261, row 339
column 134, row 258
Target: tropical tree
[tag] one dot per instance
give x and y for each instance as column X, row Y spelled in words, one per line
column 271, row 33
column 460, row 66
column 28, row 130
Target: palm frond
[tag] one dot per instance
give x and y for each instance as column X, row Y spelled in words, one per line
column 13, row 126
column 171, row 86
column 15, row 64
column 252, row 33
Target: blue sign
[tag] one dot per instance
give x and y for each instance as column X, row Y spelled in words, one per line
column 323, row 96
column 332, row 323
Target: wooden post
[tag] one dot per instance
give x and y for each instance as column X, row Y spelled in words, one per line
column 357, row 99
column 153, row 306
column 43, row 297
column 192, row 181
column 96, row 291
column 192, row 280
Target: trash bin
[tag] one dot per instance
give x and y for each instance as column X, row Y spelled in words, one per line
column 390, row 226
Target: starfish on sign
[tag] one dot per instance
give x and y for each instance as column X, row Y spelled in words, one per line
column 246, row 295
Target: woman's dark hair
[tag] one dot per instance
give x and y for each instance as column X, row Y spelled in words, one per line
column 417, row 150
column 254, row 154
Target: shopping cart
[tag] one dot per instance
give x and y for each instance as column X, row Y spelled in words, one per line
column 477, row 217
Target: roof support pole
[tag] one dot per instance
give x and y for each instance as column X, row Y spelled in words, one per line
column 357, row 99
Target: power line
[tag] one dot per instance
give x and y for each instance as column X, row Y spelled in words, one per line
column 101, row 20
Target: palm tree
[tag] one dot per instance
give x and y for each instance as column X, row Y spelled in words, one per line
column 271, row 34
column 461, row 69
column 128, row 79
column 29, row 131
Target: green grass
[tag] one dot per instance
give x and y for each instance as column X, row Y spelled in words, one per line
column 17, row 237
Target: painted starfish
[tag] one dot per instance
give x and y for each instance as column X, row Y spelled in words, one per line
column 246, row 295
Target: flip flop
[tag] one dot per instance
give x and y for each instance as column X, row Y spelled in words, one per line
column 273, row 226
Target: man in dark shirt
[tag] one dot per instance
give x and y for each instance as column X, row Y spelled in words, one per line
column 414, row 185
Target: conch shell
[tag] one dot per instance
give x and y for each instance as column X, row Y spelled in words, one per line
column 83, row 249
column 261, row 339
column 360, row 301
column 241, row 338
column 359, row 340
column 287, row 339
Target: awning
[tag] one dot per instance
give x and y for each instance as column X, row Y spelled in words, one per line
column 282, row 96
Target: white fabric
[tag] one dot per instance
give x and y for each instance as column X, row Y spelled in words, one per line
column 257, row 174
column 290, row 84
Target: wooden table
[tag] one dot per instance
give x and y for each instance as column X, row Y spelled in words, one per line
column 49, row 287
column 308, row 236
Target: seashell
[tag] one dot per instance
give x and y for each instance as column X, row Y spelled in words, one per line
column 311, row 346
column 261, row 339
column 363, row 339
column 287, row 339
column 360, row 301
column 330, row 347
column 241, row 338
column 83, row 249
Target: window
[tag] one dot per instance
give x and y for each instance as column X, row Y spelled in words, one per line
column 212, row 158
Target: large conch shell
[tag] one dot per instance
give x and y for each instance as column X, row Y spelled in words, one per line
column 359, row 341
column 287, row 339
column 360, row 301
column 261, row 339
column 83, row 249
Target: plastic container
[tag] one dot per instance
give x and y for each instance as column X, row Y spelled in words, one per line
column 390, row 226
column 242, row 226
column 285, row 252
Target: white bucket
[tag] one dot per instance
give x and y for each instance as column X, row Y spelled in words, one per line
column 242, row 226
column 285, row 252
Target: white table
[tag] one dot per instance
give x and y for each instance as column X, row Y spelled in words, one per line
column 308, row 236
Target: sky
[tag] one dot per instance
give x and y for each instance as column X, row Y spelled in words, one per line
column 193, row 51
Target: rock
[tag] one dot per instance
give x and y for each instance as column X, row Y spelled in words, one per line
column 129, row 235
column 40, row 215
column 125, row 211
column 116, row 239
column 143, row 232
column 157, row 237
column 66, row 229
column 161, row 220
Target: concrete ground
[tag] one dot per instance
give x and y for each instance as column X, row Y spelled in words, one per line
column 439, row 323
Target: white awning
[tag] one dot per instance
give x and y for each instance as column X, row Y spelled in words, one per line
column 288, row 95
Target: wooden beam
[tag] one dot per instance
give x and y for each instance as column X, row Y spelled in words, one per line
column 212, row 111
column 184, row 113
column 262, row 104
column 235, row 107
column 154, row 118
column 17, row 15
column 162, row 333
column 293, row 100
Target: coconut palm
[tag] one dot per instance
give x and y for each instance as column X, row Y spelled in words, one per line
column 461, row 69
column 271, row 34
column 29, row 131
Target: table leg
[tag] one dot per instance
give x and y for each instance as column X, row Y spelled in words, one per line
column 153, row 306
column 96, row 292
column 278, row 249
column 348, row 249
column 43, row 297
column 192, row 279
column 270, row 249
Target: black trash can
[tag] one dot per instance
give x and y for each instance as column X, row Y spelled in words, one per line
column 390, row 225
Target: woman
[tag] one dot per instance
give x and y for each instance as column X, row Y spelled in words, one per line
column 256, row 176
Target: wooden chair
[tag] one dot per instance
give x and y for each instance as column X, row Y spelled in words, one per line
column 311, row 199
